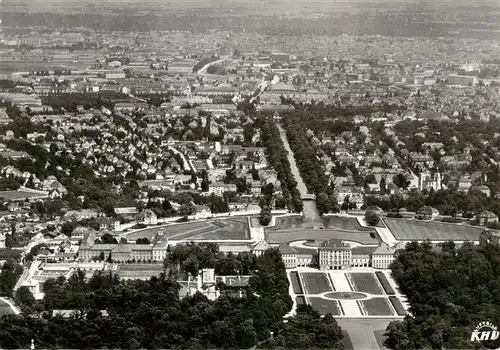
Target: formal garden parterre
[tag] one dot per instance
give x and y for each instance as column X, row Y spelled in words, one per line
column 376, row 307
column 369, row 292
column 325, row 306
column 365, row 282
column 316, row 282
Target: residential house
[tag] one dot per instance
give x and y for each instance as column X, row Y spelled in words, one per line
column 219, row 188
column 260, row 247
column 202, row 212
column 52, row 184
column 427, row 213
column 485, row 189
column 147, row 217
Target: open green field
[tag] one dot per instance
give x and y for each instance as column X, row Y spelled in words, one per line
column 5, row 309
column 420, row 230
column 220, row 229
column 139, row 270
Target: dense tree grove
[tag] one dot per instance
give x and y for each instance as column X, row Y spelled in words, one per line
column 448, row 202
column 191, row 257
column 150, row 314
column 70, row 101
column 327, row 119
column 454, row 136
column 304, row 329
column 450, row 292
column 9, row 275
column 277, row 158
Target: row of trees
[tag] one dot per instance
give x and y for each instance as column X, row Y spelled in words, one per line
column 311, row 168
column 450, row 292
column 150, row 314
column 277, row 158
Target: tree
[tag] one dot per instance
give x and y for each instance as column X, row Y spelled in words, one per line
column 191, row 265
column 372, row 218
column 370, row 179
column 24, row 297
column 185, row 210
column 143, row 240
column 346, row 204
column 205, row 183
column 265, row 216
column 280, row 202
column 383, row 186
column 400, row 180
column 108, row 238
column 323, row 203
column 68, row 227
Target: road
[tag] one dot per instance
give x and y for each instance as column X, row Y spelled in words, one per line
column 14, row 309
column 301, row 186
column 186, row 165
column 310, row 210
column 203, row 69
column 361, row 330
column 384, row 233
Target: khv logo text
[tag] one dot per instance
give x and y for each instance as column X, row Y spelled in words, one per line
column 485, row 331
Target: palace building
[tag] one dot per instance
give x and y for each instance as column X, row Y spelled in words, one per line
column 336, row 254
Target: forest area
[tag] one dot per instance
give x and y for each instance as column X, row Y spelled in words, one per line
column 450, row 292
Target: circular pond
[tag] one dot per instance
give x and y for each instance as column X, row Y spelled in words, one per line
column 345, row 295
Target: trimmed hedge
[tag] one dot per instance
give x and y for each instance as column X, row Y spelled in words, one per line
column 398, row 306
column 294, row 279
column 301, row 300
column 385, row 283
